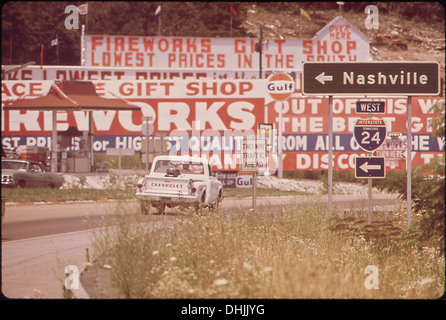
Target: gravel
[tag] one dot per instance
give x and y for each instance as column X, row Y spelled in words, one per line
column 129, row 178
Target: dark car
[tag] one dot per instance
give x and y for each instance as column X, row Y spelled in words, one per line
column 24, row 173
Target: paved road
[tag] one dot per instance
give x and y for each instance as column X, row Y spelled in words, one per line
column 38, row 242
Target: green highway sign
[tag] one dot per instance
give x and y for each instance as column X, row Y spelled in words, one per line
column 371, row 78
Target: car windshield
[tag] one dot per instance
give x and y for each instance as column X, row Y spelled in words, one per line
column 14, row 165
column 185, row 167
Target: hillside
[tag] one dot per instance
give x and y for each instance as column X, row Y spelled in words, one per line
column 397, row 39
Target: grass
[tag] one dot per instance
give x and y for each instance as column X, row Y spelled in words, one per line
column 31, row 195
column 298, row 253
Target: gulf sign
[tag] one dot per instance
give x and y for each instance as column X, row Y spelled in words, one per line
column 280, row 86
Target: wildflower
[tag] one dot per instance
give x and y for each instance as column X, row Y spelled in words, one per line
column 172, row 259
column 426, row 281
column 267, row 269
column 247, row 266
column 155, row 252
column 221, row 282
column 168, row 245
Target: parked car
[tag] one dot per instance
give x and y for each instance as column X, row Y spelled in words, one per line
column 179, row 181
column 24, row 173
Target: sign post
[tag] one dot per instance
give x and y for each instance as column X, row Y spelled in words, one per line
column 120, row 152
column 370, row 134
column 280, row 86
column 254, row 159
column 147, row 130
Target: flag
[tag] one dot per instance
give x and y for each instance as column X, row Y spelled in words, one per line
column 83, row 9
column 305, row 14
column 54, row 42
column 233, row 12
column 41, row 56
column 158, row 11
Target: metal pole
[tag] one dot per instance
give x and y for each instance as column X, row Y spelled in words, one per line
column 54, row 144
column 369, row 185
column 90, row 139
column 279, row 142
column 146, row 133
column 260, row 52
column 254, row 186
column 409, row 162
column 330, row 155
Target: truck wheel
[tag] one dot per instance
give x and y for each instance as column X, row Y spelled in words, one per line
column 216, row 205
column 145, row 206
column 161, row 208
column 201, row 204
column 21, row 184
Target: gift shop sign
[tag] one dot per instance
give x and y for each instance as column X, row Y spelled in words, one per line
column 337, row 41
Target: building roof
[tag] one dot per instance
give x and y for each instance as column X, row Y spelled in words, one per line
column 71, row 96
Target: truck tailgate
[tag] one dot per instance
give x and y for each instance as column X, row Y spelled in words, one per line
column 165, row 185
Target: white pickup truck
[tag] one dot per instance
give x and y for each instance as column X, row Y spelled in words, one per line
column 179, row 181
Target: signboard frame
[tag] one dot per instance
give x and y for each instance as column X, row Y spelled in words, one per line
column 315, row 75
column 372, row 128
column 374, row 173
column 263, row 154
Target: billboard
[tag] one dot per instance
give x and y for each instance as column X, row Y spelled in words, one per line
column 211, row 117
column 337, row 41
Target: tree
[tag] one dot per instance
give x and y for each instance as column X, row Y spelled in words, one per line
column 428, row 191
column 34, row 23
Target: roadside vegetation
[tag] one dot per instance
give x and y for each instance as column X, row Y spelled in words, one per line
column 29, row 196
column 297, row 253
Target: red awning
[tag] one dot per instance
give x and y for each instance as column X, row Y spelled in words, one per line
column 71, row 96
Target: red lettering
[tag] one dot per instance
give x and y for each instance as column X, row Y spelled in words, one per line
column 205, row 45
column 120, row 44
column 128, row 59
column 177, row 45
column 163, row 45
column 96, row 41
column 336, row 47
column 141, row 75
column 133, row 44
column 307, row 46
column 191, row 46
column 92, row 75
column 5, row 90
column 351, row 45
column 279, row 45
column 198, row 62
column 35, row 89
column 93, row 63
column 15, row 87
column 238, row 42
column 140, row 59
column 148, row 44
column 193, row 88
column 321, row 47
column 105, row 74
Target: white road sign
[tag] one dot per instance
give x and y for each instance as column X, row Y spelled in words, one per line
column 254, row 155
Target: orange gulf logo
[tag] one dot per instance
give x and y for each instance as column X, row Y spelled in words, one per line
column 280, row 86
